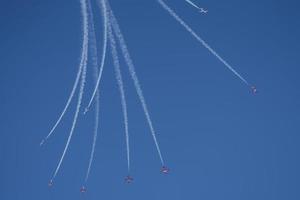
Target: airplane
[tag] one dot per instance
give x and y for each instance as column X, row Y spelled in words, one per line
column 202, row 10
column 254, row 90
column 50, row 184
column 82, row 189
column 128, row 179
column 165, row 170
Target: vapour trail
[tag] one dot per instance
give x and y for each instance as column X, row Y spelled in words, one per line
column 190, row 30
column 118, row 75
column 83, row 62
column 193, row 4
column 67, row 104
column 134, row 77
column 94, row 56
column 105, row 20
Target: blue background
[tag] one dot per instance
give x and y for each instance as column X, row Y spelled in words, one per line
column 220, row 141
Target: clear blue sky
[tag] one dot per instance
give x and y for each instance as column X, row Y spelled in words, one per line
column 220, row 141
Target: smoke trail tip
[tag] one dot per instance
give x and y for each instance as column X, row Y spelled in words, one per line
column 86, row 110
column 50, row 184
column 42, row 142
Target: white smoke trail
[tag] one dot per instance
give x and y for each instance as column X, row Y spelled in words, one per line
column 193, row 4
column 104, row 12
column 83, row 63
column 134, row 77
column 93, row 46
column 121, row 88
column 173, row 14
column 66, row 106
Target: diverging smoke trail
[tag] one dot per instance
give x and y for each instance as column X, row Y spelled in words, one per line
column 173, row 14
column 134, row 77
column 118, row 74
column 105, row 22
column 94, row 50
column 83, row 63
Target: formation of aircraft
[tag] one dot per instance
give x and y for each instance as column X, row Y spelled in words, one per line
column 128, row 179
column 164, row 169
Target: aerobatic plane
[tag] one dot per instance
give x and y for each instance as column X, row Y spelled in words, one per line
column 128, row 179
column 254, row 90
column 165, row 170
column 82, row 189
column 201, row 10
column 50, row 184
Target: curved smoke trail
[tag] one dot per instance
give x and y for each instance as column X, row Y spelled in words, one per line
column 66, row 106
column 190, row 30
column 93, row 45
column 83, row 63
column 134, row 77
column 104, row 11
column 121, row 88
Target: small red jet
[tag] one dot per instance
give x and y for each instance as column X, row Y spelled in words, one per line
column 165, row 170
column 50, row 184
column 128, row 179
column 254, row 90
column 82, row 189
